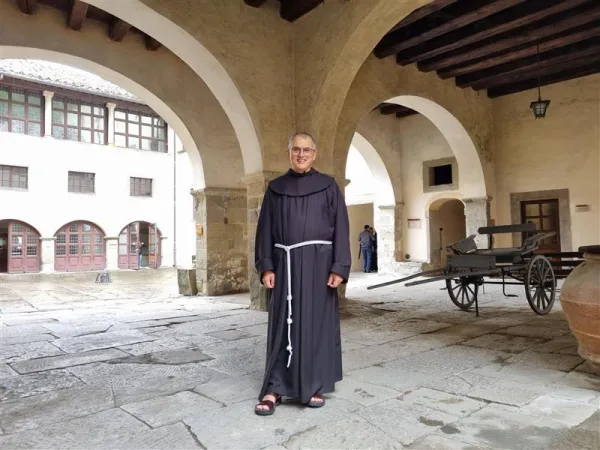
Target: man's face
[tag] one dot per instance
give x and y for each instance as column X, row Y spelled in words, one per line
column 302, row 154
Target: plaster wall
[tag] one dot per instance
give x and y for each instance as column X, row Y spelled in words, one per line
column 359, row 216
column 47, row 205
column 450, row 217
column 561, row 151
column 177, row 94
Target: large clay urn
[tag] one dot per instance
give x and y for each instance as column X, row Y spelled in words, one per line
column 580, row 300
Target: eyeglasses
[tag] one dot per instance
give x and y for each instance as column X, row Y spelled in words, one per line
column 306, row 150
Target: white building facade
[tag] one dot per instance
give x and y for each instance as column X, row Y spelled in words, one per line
column 88, row 175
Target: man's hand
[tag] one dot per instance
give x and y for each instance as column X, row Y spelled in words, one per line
column 268, row 279
column 334, row 280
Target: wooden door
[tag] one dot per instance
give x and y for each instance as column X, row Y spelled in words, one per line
column 129, row 242
column 23, row 248
column 153, row 246
column 79, row 246
column 4, row 253
column 545, row 215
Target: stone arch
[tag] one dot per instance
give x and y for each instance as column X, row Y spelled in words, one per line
column 385, row 220
column 15, row 52
column 201, row 61
column 445, row 223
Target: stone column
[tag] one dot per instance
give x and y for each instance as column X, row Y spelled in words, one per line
column 110, row 134
column 477, row 214
column 388, row 224
column 47, row 256
column 221, row 241
column 112, row 253
column 48, row 95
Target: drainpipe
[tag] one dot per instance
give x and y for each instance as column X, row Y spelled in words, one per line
column 174, row 200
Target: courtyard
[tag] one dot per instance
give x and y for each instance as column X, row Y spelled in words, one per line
column 134, row 365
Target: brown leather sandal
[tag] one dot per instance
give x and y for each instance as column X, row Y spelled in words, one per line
column 316, row 404
column 268, row 403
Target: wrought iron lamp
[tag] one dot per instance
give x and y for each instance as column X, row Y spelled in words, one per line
column 539, row 106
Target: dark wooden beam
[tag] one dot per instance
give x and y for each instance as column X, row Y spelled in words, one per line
column 490, row 32
column 395, row 42
column 118, row 29
column 543, row 81
column 392, row 108
column 408, row 112
column 27, row 6
column 292, row 10
column 549, row 66
column 151, row 43
column 510, row 42
column 523, row 53
column 77, row 14
column 423, row 12
column 254, row 3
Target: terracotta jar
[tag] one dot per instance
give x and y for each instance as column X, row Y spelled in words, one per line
column 580, row 300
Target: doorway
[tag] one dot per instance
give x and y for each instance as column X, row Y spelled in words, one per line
column 140, row 237
column 544, row 214
column 19, row 247
column 446, row 225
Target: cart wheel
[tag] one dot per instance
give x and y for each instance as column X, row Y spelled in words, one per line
column 462, row 291
column 540, row 285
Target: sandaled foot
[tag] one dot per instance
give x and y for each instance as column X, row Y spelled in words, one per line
column 266, row 407
column 316, row 401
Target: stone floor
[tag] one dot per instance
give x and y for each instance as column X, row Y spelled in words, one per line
column 133, row 365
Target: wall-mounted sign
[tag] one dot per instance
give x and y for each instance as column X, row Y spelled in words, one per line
column 414, row 223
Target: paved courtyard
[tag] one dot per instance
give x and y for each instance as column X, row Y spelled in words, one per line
column 133, row 365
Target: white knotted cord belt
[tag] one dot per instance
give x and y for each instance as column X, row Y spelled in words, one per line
column 288, row 249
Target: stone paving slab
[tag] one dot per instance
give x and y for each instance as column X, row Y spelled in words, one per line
column 36, row 383
column 570, row 413
column 66, row 360
column 6, row 371
column 12, row 340
column 503, row 342
column 232, row 389
column 30, row 350
column 101, row 340
column 437, row 442
column 537, row 332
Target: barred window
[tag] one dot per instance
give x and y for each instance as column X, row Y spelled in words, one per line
column 77, row 121
column 20, row 111
column 82, row 182
column 14, row 177
column 140, row 187
column 140, row 131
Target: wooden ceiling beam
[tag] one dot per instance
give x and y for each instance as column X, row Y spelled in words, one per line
column 151, row 43
column 118, row 29
column 549, row 66
column 27, row 6
column 77, row 15
column 292, row 10
column 510, row 42
column 396, row 41
column 543, row 81
column 490, row 32
column 392, row 108
column 254, row 3
column 423, row 12
column 516, row 55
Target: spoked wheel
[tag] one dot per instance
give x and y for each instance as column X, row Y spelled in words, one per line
column 462, row 291
column 540, row 285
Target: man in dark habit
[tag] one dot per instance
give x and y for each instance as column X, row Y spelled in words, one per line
column 302, row 254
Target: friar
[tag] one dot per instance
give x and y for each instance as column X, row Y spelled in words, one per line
column 302, row 254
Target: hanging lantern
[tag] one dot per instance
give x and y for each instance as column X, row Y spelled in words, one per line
column 539, row 106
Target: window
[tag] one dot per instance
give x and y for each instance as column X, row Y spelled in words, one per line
column 140, row 187
column 441, row 175
column 13, row 177
column 20, row 111
column 82, row 182
column 140, row 131
column 76, row 121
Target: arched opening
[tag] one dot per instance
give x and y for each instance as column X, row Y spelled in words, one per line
column 371, row 201
column 79, row 246
column 446, row 225
column 20, row 250
column 140, row 246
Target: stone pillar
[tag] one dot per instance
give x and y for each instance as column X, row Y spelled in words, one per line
column 47, row 256
column 256, row 185
column 112, row 253
column 110, row 135
column 48, row 95
column 477, row 214
column 388, row 224
column 221, row 241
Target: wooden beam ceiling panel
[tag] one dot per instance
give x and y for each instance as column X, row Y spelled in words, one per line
column 118, row 29
column 519, row 54
column 254, row 3
column 27, row 6
column 544, row 81
column 395, row 42
column 77, row 15
column 423, row 12
column 292, row 10
column 151, row 43
column 510, row 42
column 503, row 27
column 550, row 66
